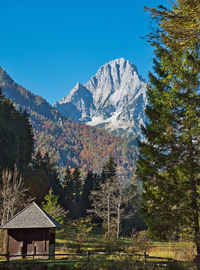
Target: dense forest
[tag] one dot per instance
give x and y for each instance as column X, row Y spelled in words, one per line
column 41, row 179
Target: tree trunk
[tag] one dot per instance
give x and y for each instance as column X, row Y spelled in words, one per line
column 108, row 223
column 119, row 213
column 3, row 236
column 196, row 218
column 118, row 220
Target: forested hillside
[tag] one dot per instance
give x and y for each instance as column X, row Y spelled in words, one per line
column 16, row 136
column 68, row 143
column 27, row 174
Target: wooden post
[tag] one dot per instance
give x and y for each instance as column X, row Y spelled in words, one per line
column 8, row 256
column 145, row 258
column 34, row 251
column 88, row 255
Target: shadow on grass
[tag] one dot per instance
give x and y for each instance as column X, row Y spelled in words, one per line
column 97, row 263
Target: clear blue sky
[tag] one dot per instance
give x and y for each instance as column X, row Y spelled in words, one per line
column 49, row 45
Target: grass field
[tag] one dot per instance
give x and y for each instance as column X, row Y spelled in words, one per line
column 178, row 250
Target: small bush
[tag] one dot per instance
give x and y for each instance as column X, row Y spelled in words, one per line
column 111, row 244
column 139, row 244
column 176, row 266
column 78, row 230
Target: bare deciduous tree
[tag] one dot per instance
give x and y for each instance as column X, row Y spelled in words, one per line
column 13, row 198
column 108, row 203
column 124, row 195
column 12, row 194
column 102, row 203
column 118, row 204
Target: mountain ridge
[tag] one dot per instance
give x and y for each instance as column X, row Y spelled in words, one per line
column 68, row 143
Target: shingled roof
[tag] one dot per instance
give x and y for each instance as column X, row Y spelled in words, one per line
column 31, row 217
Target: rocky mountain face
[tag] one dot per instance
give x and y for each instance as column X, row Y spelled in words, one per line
column 23, row 98
column 115, row 99
column 69, row 143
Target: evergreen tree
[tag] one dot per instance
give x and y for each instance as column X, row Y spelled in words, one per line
column 68, row 190
column 53, row 208
column 169, row 158
column 181, row 23
column 90, row 184
column 132, row 193
column 72, row 188
column 8, row 143
column 2, row 97
column 16, row 136
column 41, row 176
column 76, row 176
column 109, row 170
column 25, row 142
column 54, row 177
column 67, row 178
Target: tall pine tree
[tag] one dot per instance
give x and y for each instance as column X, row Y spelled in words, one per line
column 109, row 170
column 168, row 164
column 76, row 176
column 68, row 190
column 90, row 183
column 72, row 188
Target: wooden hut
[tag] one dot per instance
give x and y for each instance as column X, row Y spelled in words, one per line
column 31, row 231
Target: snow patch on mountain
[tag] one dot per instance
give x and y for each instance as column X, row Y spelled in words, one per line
column 115, row 99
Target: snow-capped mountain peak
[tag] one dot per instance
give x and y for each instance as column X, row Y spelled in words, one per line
column 114, row 98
